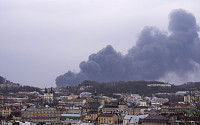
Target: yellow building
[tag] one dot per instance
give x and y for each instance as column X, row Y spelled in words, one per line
column 9, row 86
column 108, row 119
column 6, row 111
column 38, row 115
column 175, row 107
column 92, row 116
column 192, row 97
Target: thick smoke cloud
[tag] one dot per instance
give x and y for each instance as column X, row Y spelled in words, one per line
column 171, row 57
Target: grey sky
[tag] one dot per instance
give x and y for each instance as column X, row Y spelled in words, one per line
column 42, row 39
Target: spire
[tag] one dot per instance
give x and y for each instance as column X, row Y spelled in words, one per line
column 51, row 90
column 45, row 91
column 95, row 93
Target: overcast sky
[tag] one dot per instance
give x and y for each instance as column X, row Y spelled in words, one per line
column 42, row 39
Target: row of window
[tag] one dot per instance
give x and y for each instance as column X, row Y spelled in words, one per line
column 108, row 122
column 105, row 118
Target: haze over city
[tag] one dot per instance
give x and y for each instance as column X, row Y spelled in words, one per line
column 41, row 40
column 99, row 62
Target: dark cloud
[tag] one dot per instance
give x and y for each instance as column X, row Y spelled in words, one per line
column 180, row 21
column 157, row 55
column 70, row 78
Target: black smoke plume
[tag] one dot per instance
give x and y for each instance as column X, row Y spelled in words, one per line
column 170, row 57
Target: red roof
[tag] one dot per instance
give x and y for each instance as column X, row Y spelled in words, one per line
column 156, row 117
column 12, row 107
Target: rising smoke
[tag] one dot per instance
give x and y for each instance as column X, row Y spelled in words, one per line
column 157, row 55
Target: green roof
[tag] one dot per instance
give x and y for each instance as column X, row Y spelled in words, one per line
column 135, row 95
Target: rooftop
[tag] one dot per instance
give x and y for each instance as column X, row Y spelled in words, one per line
column 156, row 117
column 106, row 115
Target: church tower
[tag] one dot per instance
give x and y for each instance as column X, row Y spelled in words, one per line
column 48, row 96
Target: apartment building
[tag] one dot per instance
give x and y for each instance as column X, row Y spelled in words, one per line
column 41, row 115
column 108, row 119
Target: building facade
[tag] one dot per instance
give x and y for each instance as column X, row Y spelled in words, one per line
column 48, row 96
column 108, row 119
column 39, row 115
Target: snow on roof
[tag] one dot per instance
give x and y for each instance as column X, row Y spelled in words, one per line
column 71, row 115
column 85, row 93
column 134, row 118
column 84, row 124
column 182, row 92
column 71, row 121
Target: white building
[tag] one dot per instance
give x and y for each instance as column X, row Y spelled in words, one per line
column 133, row 119
column 48, row 96
column 85, row 94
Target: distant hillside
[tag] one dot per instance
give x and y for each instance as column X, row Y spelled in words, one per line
column 191, row 86
column 7, row 86
column 139, row 87
column 4, row 80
